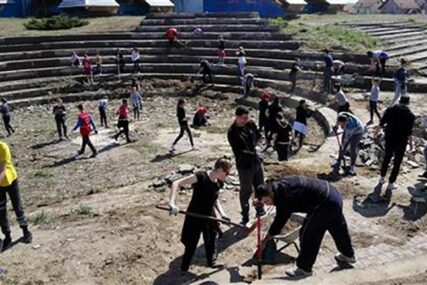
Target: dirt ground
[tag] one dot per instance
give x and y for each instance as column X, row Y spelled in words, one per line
column 94, row 220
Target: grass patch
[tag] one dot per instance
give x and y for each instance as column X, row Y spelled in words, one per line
column 318, row 37
column 42, row 174
column 42, row 218
column 82, row 209
column 59, row 22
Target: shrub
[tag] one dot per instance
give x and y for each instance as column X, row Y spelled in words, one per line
column 82, row 210
column 42, row 218
column 60, row 22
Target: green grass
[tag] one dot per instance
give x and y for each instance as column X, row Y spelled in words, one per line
column 82, row 209
column 59, row 22
column 42, row 174
column 318, row 37
column 42, row 218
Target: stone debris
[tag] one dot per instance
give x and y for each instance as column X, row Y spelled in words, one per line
column 186, row 168
column 372, row 151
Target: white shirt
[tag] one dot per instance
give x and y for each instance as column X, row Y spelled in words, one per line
column 242, row 60
column 341, row 98
column 375, row 93
column 135, row 55
column 103, row 103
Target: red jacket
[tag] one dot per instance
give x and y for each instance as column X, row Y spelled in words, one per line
column 85, row 127
column 171, row 33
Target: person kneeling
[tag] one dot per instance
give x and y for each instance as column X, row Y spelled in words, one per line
column 323, row 205
column 206, row 186
column 200, row 117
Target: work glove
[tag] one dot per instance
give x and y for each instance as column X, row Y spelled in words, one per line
column 173, row 209
column 335, row 129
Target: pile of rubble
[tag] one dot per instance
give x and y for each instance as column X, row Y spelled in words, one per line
column 372, row 151
column 163, row 184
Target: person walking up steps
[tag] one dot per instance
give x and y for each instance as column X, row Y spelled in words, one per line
column 373, row 100
column 136, row 100
column 86, row 125
column 248, row 83
column 98, row 63
column 398, row 122
column 400, row 82
column 102, row 108
column 204, row 201
column 5, row 111
column 9, row 186
column 322, row 203
column 293, row 73
column 60, row 117
column 120, row 63
column 328, row 71
column 353, row 132
column 241, row 62
column 136, row 60
column 87, row 66
column 243, row 136
column 123, row 121
column 183, row 124
column 262, row 115
column 221, row 50
column 75, row 60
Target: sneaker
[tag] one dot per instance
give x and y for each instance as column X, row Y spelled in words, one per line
column 391, row 186
column 94, row 154
column 351, row 170
column 194, row 148
column 389, row 191
column 172, row 149
column 28, row 237
column 424, row 175
column 298, row 272
column 369, row 123
column 336, row 167
column 380, row 182
column 6, row 242
column 343, row 258
column 244, row 221
column 80, row 152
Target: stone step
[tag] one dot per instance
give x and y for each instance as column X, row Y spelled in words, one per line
column 403, row 46
column 253, row 60
column 203, row 21
column 201, row 15
column 25, row 84
column 375, row 29
column 196, row 51
column 132, row 36
column 404, row 40
column 261, row 42
column 400, row 36
column 410, row 51
column 363, row 82
column 420, row 57
column 396, row 32
column 212, row 28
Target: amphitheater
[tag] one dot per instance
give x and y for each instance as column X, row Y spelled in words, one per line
column 126, row 241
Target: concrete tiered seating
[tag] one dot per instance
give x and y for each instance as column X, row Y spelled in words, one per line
column 29, row 64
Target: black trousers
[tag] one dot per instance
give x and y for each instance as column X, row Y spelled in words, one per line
column 282, row 151
column 6, row 121
column 190, row 237
column 124, row 129
column 184, row 128
column 136, row 112
column 293, row 78
column 103, row 117
column 344, row 108
column 86, row 142
column 396, row 149
column 60, row 126
column 15, row 199
column 373, row 108
column 380, row 68
column 208, row 74
column 136, row 67
column 301, row 138
column 328, row 217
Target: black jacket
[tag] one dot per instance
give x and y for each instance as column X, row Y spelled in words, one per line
column 398, row 121
column 303, row 114
column 243, row 141
column 298, row 194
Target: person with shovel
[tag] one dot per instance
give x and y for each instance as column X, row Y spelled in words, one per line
column 204, row 201
column 322, row 203
column 353, row 132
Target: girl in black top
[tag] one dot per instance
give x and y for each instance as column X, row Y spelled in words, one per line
column 206, row 186
column 282, row 137
column 293, row 73
column 183, row 124
column 60, row 115
column 4, row 110
column 221, row 50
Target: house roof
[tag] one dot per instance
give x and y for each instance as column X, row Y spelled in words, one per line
column 367, row 3
column 160, row 3
column 404, row 4
column 88, row 3
column 296, row 2
column 341, row 2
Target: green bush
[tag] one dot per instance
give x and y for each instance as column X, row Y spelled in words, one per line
column 55, row 23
